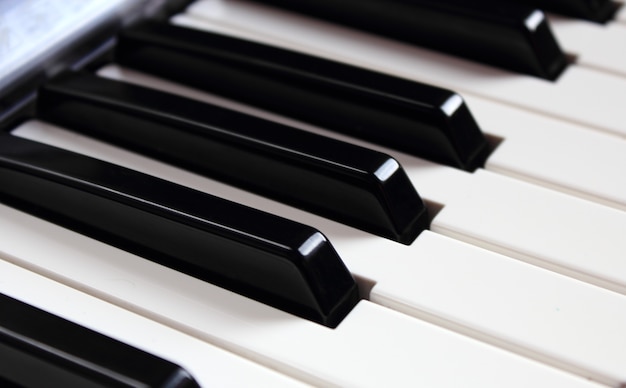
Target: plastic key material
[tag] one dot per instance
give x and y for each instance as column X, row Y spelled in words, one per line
column 401, row 275
column 279, row 262
column 575, row 172
column 360, row 187
column 594, row 10
column 600, row 94
column 514, row 37
column 420, row 119
column 208, row 364
column 596, row 46
column 504, row 212
column 394, row 348
column 40, row 349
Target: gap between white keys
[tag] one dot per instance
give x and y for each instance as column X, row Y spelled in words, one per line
column 372, row 346
column 594, row 45
column 581, row 95
column 208, row 364
column 450, row 187
column 383, row 262
column 554, row 153
column 595, row 173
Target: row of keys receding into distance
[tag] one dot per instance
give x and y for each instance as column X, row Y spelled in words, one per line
column 147, row 121
column 485, row 230
column 579, row 95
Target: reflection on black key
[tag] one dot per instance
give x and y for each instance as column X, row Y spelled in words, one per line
column 280, row 262
column 420, row 119
column 39, row 349
column 511, row 36
column 594, row 10
column 354, row 185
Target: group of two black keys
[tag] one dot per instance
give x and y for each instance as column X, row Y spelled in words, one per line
column 297, row 269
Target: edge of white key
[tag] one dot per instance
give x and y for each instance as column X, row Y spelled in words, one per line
column 451, row 187
column 514, row 305
column 209, row 365
column 594, row 45
column 496, row 212
column 393, row 348
column 376, row 259
column 554, row 153
column 603, row 95
column 587, row 164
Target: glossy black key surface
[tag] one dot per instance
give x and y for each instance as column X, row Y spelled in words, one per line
column 39, row 349
column 354, row 185
column 594, row 10
column 274, row 260
column 426, row 121
column 498, row 33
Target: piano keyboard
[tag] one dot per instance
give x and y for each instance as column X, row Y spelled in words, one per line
column 519, row 281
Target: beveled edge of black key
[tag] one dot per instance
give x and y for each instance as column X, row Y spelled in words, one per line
column 268, row 258
column 546, row 58
column 200, row 137
column 551, row 59
column 599, row 11
column 399, row 113
column 73, row 352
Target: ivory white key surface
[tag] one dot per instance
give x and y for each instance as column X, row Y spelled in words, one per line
column 554, row 153
column 582, row 95
column 511, row 229
column 373, row 346
column 538, row 149
column 595, row 45
column 210, row 365
column 566, row 234
column 410, row 277
column 540, row 314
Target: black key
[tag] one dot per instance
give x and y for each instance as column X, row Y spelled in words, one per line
column 351, row 184
column 420, row 119
column 498, row 33
column 39, row 349
column 276, row 261
column 595, row 10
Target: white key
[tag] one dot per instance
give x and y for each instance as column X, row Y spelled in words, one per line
column 210, row 365
column 398, row 276
column 552, row 230
column 581, row 95
column 554, row 153
column 510, row 230
column 534, row 312
column 593, row 174
column 595, row 45
column 588, row 165
column 373, row 346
